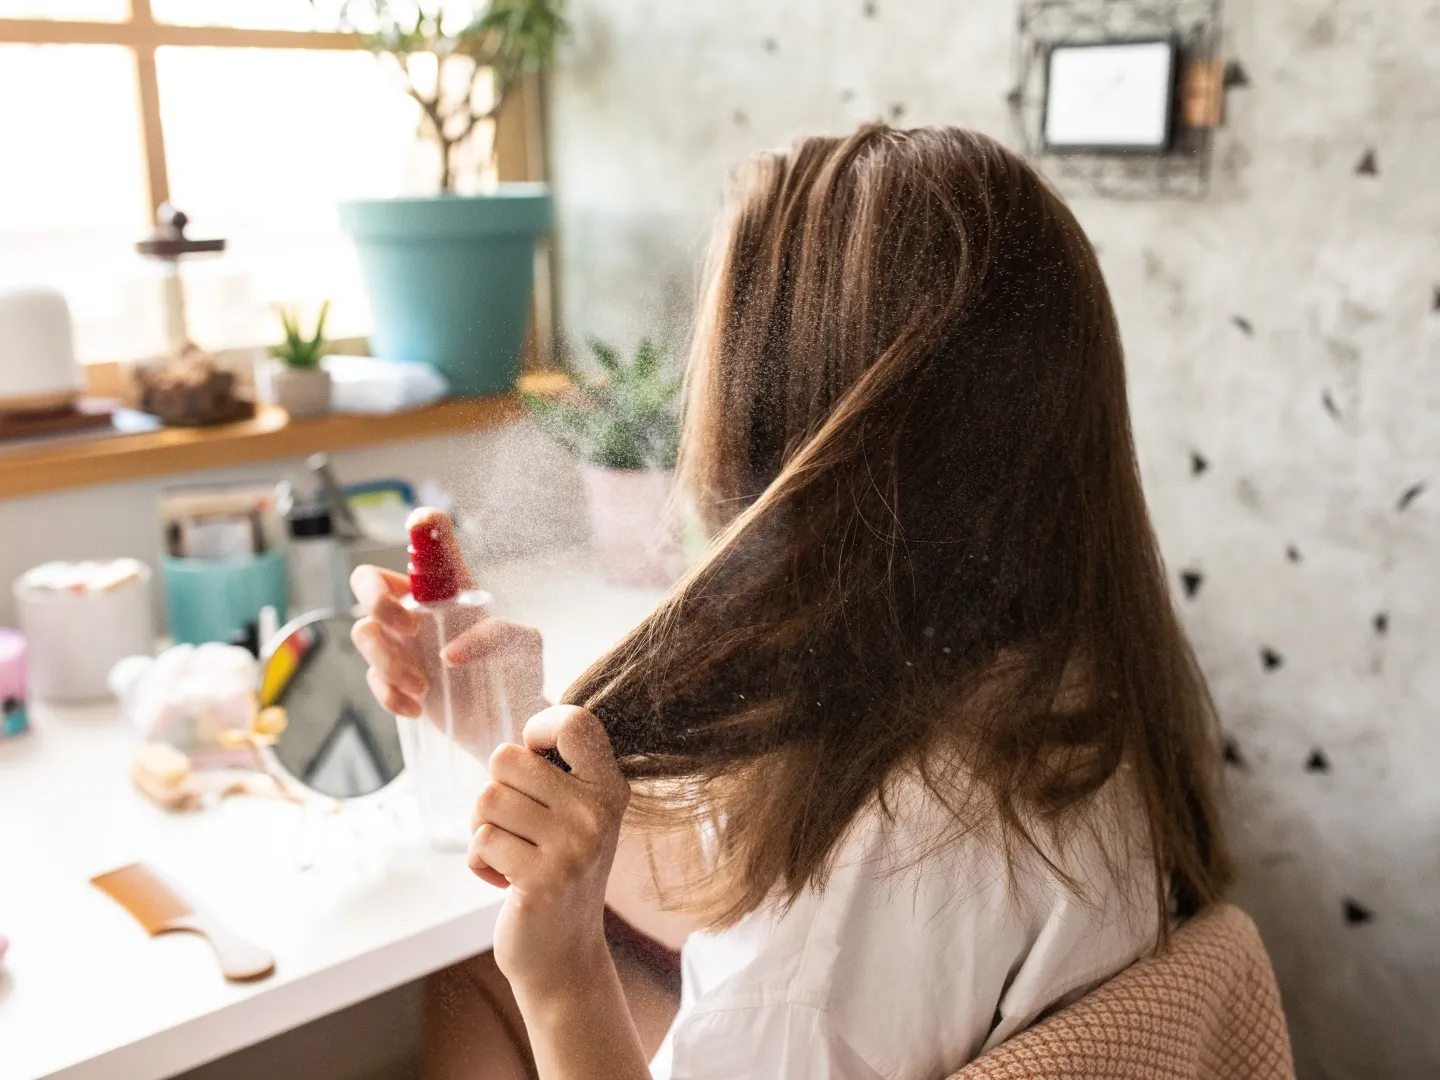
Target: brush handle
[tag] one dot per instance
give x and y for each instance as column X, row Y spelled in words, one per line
column 239, row 960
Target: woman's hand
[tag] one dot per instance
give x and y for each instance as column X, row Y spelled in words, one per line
column 386, row 637
column 550, row 836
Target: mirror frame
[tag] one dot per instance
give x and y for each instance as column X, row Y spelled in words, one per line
column 272, row 760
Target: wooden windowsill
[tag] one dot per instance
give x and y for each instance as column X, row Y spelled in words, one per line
column 72, row 462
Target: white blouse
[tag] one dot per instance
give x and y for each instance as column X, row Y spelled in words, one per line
column 902, row 974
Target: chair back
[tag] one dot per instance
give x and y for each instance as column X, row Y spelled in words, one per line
column 1205, row 1008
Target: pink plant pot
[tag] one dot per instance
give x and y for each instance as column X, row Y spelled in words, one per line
column 635, row 543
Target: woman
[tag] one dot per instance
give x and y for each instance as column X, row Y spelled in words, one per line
column 919, row 744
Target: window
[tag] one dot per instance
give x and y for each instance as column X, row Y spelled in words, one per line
column 66, row 220
column 255, row 117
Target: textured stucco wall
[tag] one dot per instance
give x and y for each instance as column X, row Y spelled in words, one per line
column 1286, row 331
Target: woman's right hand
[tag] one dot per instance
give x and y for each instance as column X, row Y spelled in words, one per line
column 386, row 638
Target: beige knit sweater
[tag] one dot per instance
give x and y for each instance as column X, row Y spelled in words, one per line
column 1207, row 1008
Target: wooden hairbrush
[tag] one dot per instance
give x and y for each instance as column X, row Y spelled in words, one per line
column 161, row 910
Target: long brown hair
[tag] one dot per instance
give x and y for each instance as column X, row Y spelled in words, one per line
column 907, row 428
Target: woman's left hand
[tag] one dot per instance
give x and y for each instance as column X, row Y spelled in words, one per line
column 549, row 837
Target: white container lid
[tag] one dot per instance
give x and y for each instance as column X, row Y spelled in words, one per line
column 79, row 579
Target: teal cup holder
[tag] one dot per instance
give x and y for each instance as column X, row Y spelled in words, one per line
column 214, row 599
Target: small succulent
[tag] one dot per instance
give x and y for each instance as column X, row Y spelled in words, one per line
column 297, row 351
column 623, row 415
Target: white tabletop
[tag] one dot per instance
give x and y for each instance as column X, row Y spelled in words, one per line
column 350, row 905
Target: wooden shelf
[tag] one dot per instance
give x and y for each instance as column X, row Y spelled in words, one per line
column 60, row 464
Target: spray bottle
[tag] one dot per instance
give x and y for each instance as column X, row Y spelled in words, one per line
column 465, row 715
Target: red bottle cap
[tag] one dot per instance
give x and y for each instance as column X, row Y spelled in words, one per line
column 436, row 572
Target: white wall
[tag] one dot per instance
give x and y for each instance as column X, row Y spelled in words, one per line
column 1335, row 274
column 520, row 493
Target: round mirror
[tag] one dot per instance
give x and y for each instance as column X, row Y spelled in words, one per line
column 337, row 739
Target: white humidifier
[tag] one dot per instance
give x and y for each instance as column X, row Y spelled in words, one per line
column 38, row 372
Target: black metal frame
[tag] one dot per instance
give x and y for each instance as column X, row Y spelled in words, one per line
column 1182, row 171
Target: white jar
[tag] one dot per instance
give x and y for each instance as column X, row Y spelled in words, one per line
column 78, row 620
column 37, row 351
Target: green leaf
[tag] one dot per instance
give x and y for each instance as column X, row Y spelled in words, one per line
column 647, row 360
column 607, row 357
column 624, row 416
column 297, row 350
column 525, row 31
column 479, row 42
column 319, row 338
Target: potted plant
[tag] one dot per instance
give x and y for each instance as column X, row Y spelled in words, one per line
column 622, row 421
column 449, row 276
column 294, row 378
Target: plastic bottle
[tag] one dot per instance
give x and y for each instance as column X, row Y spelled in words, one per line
column 318, row 574
column 465, row 715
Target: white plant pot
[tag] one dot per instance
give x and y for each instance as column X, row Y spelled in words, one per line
column 302, row 392
column 634, row 542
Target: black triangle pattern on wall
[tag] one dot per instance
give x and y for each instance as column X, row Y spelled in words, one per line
column 1353, row 911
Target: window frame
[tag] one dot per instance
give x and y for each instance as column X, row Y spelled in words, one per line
column 519, row 132
column 143, row 35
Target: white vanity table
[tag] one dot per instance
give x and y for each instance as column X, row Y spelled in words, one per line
column 85, row 994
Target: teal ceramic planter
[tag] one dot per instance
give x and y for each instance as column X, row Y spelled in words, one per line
column 450, row 277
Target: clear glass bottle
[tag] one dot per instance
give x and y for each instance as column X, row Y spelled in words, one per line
column 465, row 715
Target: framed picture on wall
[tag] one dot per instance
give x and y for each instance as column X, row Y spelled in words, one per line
column 1110, row 96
